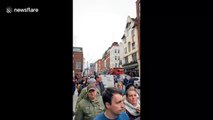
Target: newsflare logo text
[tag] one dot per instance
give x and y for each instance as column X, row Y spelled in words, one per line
column 28, row 9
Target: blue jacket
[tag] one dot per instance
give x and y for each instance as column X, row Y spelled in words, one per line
column 122, row 116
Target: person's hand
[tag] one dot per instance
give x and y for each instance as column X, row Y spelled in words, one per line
column 138, row 109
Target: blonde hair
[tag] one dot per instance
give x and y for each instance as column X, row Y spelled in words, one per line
column 120, row 83
column 131, row 89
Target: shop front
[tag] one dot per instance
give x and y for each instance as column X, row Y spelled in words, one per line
column 131, row 69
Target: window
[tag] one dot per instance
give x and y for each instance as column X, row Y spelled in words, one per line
column 125, row 50
column 115, row 50
column 133, row 45
column 118, row 57
column 134, row 57
column 115, row 57
column 128, row 26
column 120, row 62
column 78, row 65
column 115, row 64
column 129, row 45
column 126, row 59
column 118, row 50
column 133, row 35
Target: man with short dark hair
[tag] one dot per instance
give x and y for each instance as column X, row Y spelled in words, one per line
column 99, row 84
column 114, row 105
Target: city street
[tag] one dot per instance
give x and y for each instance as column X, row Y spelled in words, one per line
column 117, row 54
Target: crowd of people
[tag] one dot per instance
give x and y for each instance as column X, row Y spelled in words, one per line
column 95, row 102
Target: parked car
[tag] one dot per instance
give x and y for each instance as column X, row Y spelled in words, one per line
column 137, row 83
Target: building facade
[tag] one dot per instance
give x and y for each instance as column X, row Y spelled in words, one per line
column 116, row 55
column 106, row 62
column 77, row 61
column 131, row 49
column 138, row 18
column 92, row 69
column 99, row 66
column 96, row 67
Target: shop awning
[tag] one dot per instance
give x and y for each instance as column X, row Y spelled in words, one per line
column 130, row 66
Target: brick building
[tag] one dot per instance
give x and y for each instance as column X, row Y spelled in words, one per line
column 77, row 61
column 105, row 62
column 99, row 66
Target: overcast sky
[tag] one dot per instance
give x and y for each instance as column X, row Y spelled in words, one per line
column 99, row 23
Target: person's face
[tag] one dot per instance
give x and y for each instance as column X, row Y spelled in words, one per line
column 132, row 97
column 92, row 94
column 99, row 79
column 120, row 86
column 117, row 105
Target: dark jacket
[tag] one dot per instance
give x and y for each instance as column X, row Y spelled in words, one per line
column 131, row 81
column 101, row 88
column 125, row 81
column 131, row 117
